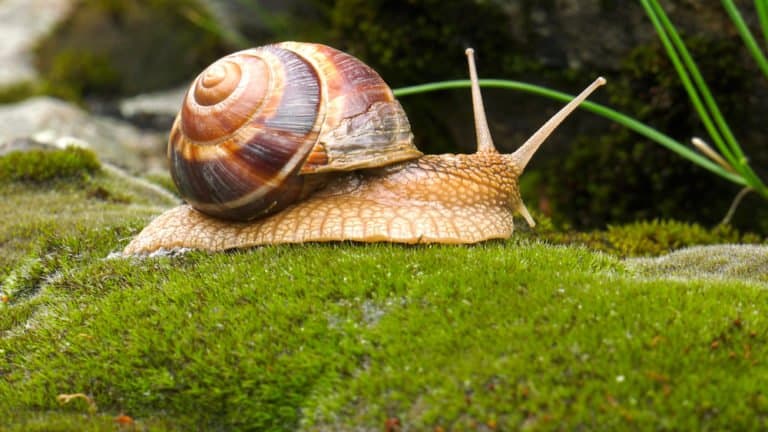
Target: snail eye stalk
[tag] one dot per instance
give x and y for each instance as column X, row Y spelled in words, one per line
column 484, row 139
column 523, row 155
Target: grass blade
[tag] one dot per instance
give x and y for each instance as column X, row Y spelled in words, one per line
column 662, row 26
column 746, row 35
column 728, row 146
column 761, row 6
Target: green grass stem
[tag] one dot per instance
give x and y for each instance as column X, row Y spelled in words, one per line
column 593, row 107
column 746, row 34
column 740, row 162
column 723, row 138
column 667, row 35
column 761, row 6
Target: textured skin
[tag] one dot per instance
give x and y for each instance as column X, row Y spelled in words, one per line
column 434, row 199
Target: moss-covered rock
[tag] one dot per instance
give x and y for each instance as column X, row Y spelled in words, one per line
column 52, row 122
column 39, row 166
column 644, row 238
column 109, row 47
column 347, row 336
column 20, row 91
column 52, row 193
column 748, row 262
column 505, row 335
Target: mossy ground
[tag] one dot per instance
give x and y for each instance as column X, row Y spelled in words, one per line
column 54, row 193
column 515, row 334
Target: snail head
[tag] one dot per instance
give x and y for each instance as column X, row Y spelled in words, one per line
column 520, row 158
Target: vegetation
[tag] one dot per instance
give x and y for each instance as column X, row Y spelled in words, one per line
column 48, row 193
column 638, row 179
column 39, row 166
column 550, row 329
column 730, row 155
column 644, row 238
column 20, row 91
column 345, row 336
column 90, row 53
column 348, row 336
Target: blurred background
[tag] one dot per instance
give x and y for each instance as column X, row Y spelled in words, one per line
column 127, row 63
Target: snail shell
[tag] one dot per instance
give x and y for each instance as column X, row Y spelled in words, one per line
column 264, row 127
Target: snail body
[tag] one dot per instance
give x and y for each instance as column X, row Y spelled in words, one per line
column 402, row 197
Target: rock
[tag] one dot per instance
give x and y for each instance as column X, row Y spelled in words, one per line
column 51, row 121
column 27, row 144
column 598, row 35
column 22, row 24
column 733, row 261
column 154, row 110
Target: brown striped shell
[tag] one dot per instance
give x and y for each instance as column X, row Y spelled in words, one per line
column 261, row 128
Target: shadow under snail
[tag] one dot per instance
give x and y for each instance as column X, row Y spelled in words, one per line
column 299, row 142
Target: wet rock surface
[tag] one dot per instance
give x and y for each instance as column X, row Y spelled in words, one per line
column 44, row 120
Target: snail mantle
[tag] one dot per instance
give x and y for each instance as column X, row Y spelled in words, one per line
column 299, row 142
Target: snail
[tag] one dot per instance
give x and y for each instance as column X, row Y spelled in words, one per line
column 299, row 142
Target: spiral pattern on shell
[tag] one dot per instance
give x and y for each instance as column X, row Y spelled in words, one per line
column 258, row 127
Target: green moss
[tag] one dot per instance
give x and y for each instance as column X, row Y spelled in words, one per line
column 506, row 334
column 23, row 281
column 39, row 166
column 20, row 91
column 347, row 336
column 35, row 212
column 659, row 237
column 645, row 238
column 74, row 72
column 25, row 421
